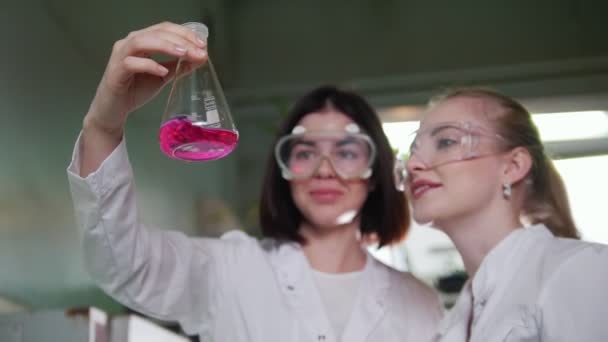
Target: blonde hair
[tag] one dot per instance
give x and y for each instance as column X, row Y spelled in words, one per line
column 546, row 200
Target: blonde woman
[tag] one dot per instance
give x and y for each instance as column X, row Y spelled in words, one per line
column 478, row 171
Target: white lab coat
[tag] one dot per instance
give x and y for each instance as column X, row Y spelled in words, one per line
column 236, row 288
column 534, row 287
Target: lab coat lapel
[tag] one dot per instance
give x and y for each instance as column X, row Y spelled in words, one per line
column 300, row 292
column 371, row 304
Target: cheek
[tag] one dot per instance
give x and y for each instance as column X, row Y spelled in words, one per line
column 359, row 191
column 477, row 184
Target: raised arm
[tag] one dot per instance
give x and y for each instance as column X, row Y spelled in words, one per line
column 130, row 80
column 160, row 273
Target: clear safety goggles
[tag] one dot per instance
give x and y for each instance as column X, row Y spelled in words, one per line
column 349, row 152
column 445, row 143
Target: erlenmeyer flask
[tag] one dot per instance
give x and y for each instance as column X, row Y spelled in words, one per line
column 196, row 124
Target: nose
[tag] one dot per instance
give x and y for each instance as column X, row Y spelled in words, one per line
column 414, row 163
column 325, row 168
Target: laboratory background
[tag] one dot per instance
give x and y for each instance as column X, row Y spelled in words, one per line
column 552, row 55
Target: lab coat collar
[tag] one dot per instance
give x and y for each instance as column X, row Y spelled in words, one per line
column 297, row 285
column 503, row 260
column 499, row 264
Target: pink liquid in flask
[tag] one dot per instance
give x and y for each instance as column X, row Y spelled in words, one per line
column 181, row 139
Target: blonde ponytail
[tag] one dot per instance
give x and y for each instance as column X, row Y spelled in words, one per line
column 547, row 201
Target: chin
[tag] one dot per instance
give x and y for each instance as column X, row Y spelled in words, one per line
column 423, row 219
column 332, row 218
column 325, row 221
column 320, row 217
column 422, row 215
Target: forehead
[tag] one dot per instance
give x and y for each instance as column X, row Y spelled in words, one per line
column 474, row 110
column 325, row 120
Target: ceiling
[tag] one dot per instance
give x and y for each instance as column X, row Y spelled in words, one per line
column 93, row 26
column 268, row 48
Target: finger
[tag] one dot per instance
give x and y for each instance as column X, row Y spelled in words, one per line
column 155, row 42
column 138, row 65
column 180, row 30
column 193, row 54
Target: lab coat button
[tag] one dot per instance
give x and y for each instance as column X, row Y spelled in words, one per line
column 290, row 287
column 321, row 338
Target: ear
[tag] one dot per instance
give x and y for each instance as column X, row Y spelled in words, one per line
column 518, row 165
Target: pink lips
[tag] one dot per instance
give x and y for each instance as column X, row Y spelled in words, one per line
column 325, row 195
column 421, row 186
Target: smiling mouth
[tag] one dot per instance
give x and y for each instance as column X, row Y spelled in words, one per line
column 419, row 190
column 325, row 196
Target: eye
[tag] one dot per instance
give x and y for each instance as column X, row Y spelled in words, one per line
column 347, row 154
column 302, row 154
column 445, row 143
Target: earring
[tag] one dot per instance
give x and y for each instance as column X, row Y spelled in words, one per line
column 506, row 191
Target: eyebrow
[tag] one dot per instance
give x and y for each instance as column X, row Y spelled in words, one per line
column 347, row 141
column 342, row 142
column 437, row 130
column 303, row 141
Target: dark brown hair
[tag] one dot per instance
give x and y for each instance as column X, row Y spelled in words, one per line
column 546, row 200
column 385, row 212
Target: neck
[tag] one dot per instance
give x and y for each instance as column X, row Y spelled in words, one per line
column 333, row 249
column 476, row 234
